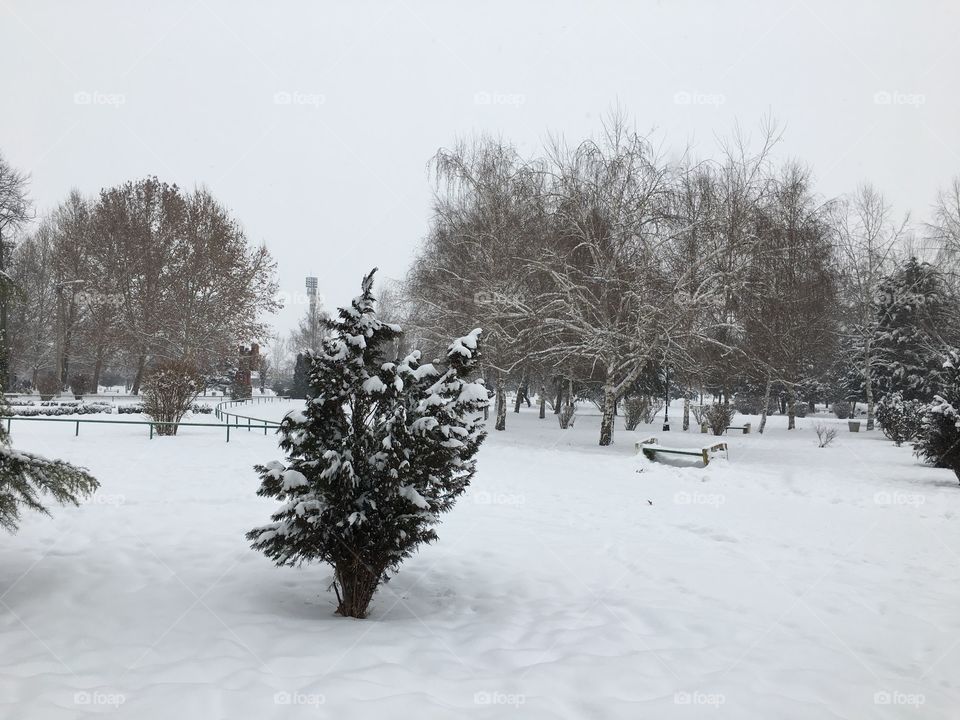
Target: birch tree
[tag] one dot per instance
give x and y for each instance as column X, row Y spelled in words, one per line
column 865, row 240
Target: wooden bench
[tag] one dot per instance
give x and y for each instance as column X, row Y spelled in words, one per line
column 745, row 428
column 651, row 446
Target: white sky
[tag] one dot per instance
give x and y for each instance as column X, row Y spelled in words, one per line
column 95, row 93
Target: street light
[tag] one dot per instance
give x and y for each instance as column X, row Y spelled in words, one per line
column 666, row 404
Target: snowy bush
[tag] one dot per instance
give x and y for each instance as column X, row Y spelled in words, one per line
column 56, row 409
column 718, row 417
column 900, row 420
column 640, row 409
column 25, row 479
column 169, row 392
column 842, row 409
column 137, row 408
column 48, row 385
column 378, row 453
column 748, row 404
column 938, row 440
column 79, row 385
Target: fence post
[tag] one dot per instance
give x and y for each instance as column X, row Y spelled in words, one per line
column 228, row 432
column 151, row 431
column 77, row 432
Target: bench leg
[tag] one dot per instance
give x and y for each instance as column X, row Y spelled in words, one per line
column 706, row 458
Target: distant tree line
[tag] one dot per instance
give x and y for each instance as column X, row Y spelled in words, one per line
column 606, row 271
column 103, row 288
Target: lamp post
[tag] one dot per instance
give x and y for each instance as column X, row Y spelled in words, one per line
column 666, row 403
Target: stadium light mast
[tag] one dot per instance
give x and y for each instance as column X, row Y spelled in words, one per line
column 312, row 298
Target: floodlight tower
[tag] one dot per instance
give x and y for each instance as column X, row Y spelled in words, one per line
column 312, row 295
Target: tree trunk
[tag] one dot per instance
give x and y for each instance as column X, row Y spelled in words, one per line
column 543, row 402
column 97, row 369
column 501, row 404
column 868, row 387
column 791, row 408
column 355, row 584
column 519, row 401
column 606, row 420
column 556, row 407
column 141, row 364
column 686, row 411
column 766, row 404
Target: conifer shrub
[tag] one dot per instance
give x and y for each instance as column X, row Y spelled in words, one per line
column 381, row 450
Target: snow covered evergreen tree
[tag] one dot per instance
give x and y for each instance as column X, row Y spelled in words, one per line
column 938, row 441
column 912, row 318
column 380, row 451
column 26, row 478
column 301, row 380
column 901, row 420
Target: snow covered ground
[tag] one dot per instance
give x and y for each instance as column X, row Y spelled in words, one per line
column 573, row 582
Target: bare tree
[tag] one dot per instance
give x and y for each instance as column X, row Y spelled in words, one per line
column 15, row 212
column 865, row 240
column 187, row 283
column 471, row 272
column 607, row 301
column 944, row 231
column 790, row 319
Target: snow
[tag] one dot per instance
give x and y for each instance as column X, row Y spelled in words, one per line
column 573, row 581
column 465, row 345
column 373, row 385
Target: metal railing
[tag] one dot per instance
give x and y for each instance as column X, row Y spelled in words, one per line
column 77, row 422
column 251, row 422
column 69, row 396
column 229, row 420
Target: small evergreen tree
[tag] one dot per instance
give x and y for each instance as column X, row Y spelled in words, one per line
column 912, row 316
column 938, row 441
column 301, row 379
column 379, row 452
column 25, row 478
column 901, row 420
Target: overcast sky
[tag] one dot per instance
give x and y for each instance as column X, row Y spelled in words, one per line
column 314, row 121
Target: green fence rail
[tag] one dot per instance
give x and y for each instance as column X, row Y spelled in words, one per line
column 238, row 420
column 68, row 396
column 229, row 420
